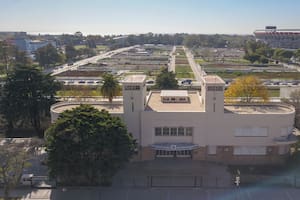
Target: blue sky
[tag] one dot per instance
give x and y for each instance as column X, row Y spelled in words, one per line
column 142, row 16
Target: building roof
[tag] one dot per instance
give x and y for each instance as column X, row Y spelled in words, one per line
column 111, row 108
column 174, row 93
column 213, row 79
column 259, row 109
column 135, row 79
column 193, row 105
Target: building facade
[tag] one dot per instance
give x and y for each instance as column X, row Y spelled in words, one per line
column 198, row 125
column 279, row 38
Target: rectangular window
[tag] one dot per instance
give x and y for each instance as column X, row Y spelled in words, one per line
column 132, row 107
column 212, row 150
column 180, row 131
column 166, row 131
column 254, row 150
column 158, row 131
column 173, row 131
column 215, row 88
column 132, row 87
column 189, row 131
column 284, row 132
column 251, row 132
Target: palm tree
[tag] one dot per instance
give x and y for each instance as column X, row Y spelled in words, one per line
column 110, row 87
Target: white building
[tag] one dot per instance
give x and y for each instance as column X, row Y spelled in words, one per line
column 198, row 125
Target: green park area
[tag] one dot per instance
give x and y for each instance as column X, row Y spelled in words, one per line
column 261, row 75
column 184, row 71
column 98, row 47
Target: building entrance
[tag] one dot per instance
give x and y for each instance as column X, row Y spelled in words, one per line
column 173, row 154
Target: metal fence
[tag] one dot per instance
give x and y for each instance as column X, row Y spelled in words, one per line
column 205, row 181
column 172, row 181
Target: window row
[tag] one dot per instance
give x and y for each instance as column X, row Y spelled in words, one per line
column 175, row 99
column 173, row 131
column 132, row 87
column 214, row 88
column 251, row 132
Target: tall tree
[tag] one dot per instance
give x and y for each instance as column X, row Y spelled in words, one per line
column 14, row 158
column 110, row 87
column 70, row 52
column 86, row 146
column 48, row 55
column 295, row 101
column 166, row 80
column 247, row 87
column 27, row 96
column 11, row 56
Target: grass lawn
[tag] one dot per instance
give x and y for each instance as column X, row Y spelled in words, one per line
column 76, row 92
column 200, row 61
column 183, row 68
column 262, row 75
column 101, row 47
column 185, row 75
column 77, row 47
column 237, row 60
column 273, row 92
column 184, row 71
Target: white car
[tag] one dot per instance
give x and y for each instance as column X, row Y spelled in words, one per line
column 26, row 179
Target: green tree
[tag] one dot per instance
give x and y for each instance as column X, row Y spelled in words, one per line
column 14, row 158
column 86, row 146
column 70, row 52
column 48, row 55
column 11, row 56
column 247, row 87
column 257, row 52
column 166, row 80
column 295, row 101
column 283, row 55
column 110, row 87
column 27, row 96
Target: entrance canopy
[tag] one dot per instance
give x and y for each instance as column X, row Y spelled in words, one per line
column 174, row 146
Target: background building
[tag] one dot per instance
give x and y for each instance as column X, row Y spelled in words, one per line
column 279, row 38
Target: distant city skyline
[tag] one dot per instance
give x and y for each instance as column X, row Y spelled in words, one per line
column 143, row 16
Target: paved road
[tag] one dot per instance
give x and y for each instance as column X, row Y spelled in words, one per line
column 195, row 67
column 172, row 61
column 160, row 194
column 93, row 59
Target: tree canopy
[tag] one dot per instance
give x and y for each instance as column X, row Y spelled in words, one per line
column 166, row 80
column 110, row 87
column 70, row 52
column 14, row 157
column 257, row 52
column 86, row 146
column 48, row 55
column 27, row 96
column 10, row 56
column 247, row 87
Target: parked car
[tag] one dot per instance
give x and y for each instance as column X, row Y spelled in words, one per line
column 187, row 81
column 150, row 82
column 26, row 179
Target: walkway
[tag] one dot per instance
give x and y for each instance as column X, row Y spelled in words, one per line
column 195, row 66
